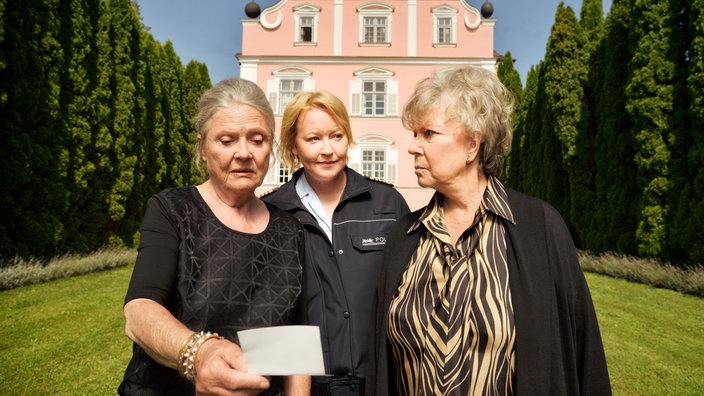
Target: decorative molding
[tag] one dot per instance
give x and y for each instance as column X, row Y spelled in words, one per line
column 291, row 70
column 274, row 10
column 374, row 71
column 374, row 139
column 472, row 16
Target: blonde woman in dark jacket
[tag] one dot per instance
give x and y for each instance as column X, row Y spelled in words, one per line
column 346, row 218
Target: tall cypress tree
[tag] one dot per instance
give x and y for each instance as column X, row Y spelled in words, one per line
column 131, row 173
column 177, row 152
column 583, row 164
column 613, row 224
column 650, row 103
column 196, row 81
column 512, row 80
column 517, row 164
column 533, row 180
column 85, row 96
column 562, row 77
column 115, row 113
column 151, row 140
column 685, row 233
column 509, row 76
column 79, row 20
column 32, row 156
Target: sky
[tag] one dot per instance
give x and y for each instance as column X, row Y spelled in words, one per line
column 210, row 31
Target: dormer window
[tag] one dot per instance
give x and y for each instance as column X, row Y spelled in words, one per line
column 306, row 24
column 375, row 24
column 444, row 26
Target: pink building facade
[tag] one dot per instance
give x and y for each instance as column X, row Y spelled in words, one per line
column 370, row 54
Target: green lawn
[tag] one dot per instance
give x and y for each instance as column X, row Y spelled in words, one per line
column 654, row 338
column 66, row 337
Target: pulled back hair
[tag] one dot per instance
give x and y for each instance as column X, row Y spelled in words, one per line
column 475, row 99
column 228, row 93
column 321, row 100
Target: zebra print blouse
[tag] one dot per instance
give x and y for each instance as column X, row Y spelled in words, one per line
column 451, row 326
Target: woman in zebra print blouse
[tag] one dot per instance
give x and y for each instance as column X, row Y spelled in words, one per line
column 480, row 292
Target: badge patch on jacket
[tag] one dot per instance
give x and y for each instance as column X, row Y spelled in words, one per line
column 366, row 242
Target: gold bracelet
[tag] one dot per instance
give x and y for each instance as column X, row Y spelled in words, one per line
column 187, row 355
column 181, row 363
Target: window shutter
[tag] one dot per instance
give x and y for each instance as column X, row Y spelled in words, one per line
column 391, row 173
column 392, row 106
column 355, row 97
column 353, row 159
column 391, row 162
column 308, row 85
column 272, row 87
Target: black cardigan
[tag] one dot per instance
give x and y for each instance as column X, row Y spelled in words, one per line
column 558, row 343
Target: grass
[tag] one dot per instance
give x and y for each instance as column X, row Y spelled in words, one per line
column 653, row 338
column 68, row 334
column 66, row 337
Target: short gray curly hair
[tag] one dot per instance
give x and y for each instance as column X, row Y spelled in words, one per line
column 478, row 101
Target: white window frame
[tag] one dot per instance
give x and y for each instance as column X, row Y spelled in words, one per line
column 378, row 168
column 305, row 11
column 375, row 142
column 287, row 73
column 285, row 88
column 375, row 10
column 375, row 93
column 276, row 170
column 440, row 13
column 374, row 74
column 283, row 174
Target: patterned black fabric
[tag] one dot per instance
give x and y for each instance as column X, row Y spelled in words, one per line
column 211, row 277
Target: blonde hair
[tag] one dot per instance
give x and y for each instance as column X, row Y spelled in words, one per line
column 322, row 100
column 229, row 92
column 477, row 100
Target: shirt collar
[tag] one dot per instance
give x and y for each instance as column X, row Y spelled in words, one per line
column 495, row 200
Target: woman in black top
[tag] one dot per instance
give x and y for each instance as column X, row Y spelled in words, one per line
column 213, row 260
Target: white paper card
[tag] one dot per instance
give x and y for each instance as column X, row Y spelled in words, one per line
column 283, row 350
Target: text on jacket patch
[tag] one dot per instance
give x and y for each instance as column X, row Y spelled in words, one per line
column 374, row 241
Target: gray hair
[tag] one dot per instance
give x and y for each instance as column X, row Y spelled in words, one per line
column 477, row 100
column 229, row 92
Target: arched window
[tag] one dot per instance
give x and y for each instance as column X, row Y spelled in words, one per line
column 374, row 156
column 374, row 93
column 287, row 81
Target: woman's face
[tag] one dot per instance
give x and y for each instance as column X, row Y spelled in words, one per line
column 236, row 148
column 440, row 149
column 321, row 144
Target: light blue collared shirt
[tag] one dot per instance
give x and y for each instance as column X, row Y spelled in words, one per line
column 312, row 203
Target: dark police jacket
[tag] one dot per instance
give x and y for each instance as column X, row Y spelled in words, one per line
column 341, row 277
